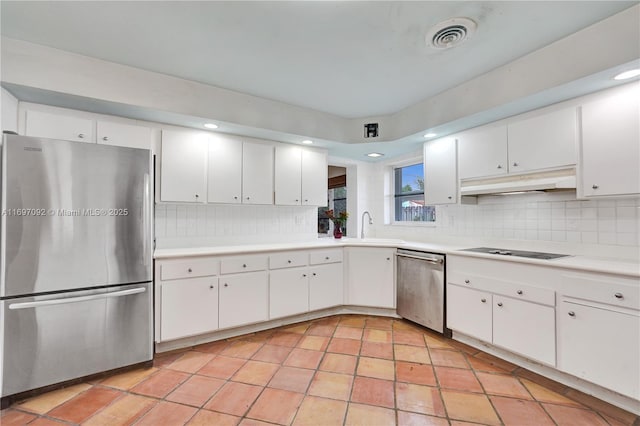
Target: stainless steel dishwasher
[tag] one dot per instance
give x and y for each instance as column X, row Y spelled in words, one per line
column 420, row 284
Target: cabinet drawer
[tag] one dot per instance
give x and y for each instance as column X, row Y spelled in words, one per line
column 232, row 265
column 171, row 270
column 513, row 289
column 287, row 260
column 325, row 256
column 611, row 290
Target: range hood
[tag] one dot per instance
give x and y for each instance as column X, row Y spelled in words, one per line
column 546, row 181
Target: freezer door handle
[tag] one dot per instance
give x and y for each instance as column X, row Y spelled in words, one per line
column 145, row 219
column 26, row 305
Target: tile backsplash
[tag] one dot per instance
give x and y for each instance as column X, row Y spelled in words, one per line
column 556, row 217
column 195, row 225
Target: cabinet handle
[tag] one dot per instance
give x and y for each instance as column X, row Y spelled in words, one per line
column 304, row 275
column 235, row 198
column 619, row 296
column 314, row 274
column 500, row 304
column 189, row 270
column 594, row 186
column 483, row 300
column 499, row 166
column 515, row 164
column 519, row 291
column 81, row 135
column 288, row 261
column 467, row 281
column 244, row 265
column 226, row 285
column 211, row 287
column 197, row 196
column 388, row 258
column 248, row 198
column 306, row 201
column 297, row 201
column 449, row 197
column 105, row 138
column 326, row 258
column 572, row 314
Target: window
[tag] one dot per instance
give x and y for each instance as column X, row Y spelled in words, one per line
column 337, row 197
column 409, row 195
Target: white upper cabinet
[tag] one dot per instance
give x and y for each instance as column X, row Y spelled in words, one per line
column 127, row 135
column 301, row 176
column 183, row 175
column 314, row 177
column 225, row 170
column 543, row 142
column 483, row 152
column 257, row 173
column 58, row 126
column 288, row 175
column 610, row 147
column 441, row 171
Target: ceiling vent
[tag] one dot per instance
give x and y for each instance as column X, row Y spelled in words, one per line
column 450, row 33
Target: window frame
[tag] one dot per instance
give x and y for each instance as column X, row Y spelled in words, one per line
column 393, row 198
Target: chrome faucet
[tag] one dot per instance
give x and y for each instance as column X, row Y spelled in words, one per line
column 370, row 223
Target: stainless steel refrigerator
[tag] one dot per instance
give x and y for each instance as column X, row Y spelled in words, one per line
column 75, row 261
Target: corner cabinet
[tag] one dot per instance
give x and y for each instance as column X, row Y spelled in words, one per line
column 610, row 146
column 441, row 171
column 183, row 170
column 371, row 276
column 300, row 176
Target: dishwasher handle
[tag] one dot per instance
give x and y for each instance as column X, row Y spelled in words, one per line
column 434, row 260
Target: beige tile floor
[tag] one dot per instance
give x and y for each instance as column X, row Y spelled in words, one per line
column 341, row 370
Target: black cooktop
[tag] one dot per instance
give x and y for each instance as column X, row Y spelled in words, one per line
column 518, row 253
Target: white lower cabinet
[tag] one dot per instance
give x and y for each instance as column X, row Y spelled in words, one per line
column 525, row 328
column 288, row 292
column 371, row 277
column 600, row 344
column 243, row 299
column 188, row 307
column 469, row 312
column 326, row 286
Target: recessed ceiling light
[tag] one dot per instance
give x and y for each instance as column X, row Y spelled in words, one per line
column 374, row 154
column 627, row 74
column 211, row 126
column 307, row 142
column 430, row 135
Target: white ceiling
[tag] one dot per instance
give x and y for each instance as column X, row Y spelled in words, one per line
column 352, row 59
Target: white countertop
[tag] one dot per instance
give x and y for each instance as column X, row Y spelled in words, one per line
column 581, row 263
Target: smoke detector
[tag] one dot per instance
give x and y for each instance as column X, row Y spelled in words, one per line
column 450, row 33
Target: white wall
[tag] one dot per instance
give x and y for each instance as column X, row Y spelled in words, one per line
column 8, row 111
column 186, row 225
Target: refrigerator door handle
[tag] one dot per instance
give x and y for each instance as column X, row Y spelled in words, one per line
column 145, row 219
column 26, row 305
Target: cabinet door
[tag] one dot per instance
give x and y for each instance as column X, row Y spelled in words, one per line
column 288, row 175
column 183, row 166
column 326, row 286
column 244, row 299
column 482, row 152
column 257, row 174
column 543, row 142
column 58, row 126
column 188, row 307
column 371, row 278
column 127, row 135
column 288, row 292
column 224, row 177
column 525, row 328
column 601, row 346
column 610, row 153
column 315, row 179
column 440, row 171
column 469, row 312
